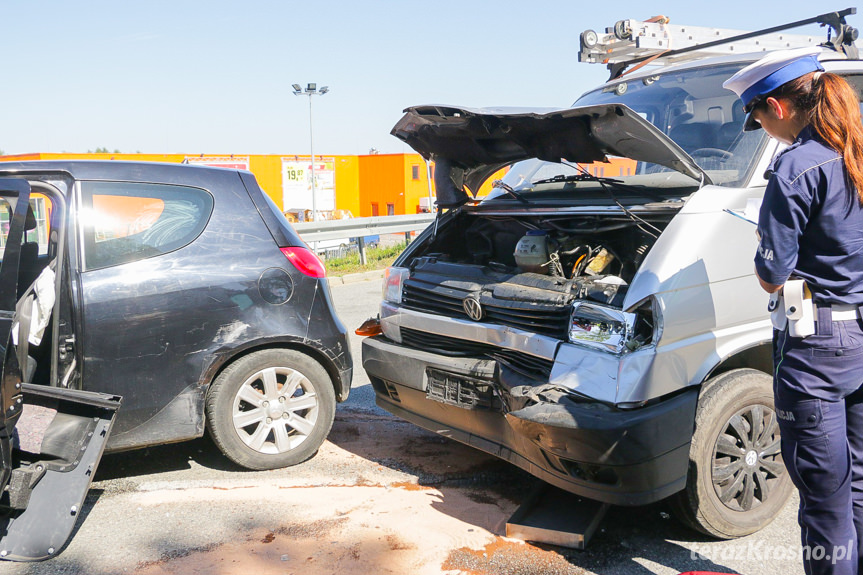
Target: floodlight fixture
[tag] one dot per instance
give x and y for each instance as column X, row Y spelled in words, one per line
column 311, row 90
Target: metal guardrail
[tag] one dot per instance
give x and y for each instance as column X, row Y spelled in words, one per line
column 359, row 227
column 312, row 232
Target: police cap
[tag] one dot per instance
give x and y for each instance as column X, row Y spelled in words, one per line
column 757, row 80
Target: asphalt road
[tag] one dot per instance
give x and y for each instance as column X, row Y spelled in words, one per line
column 381, row 496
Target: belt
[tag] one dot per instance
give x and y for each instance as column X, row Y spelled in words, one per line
column 844, row 312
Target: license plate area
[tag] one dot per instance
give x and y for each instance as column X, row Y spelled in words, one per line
column 459, row 390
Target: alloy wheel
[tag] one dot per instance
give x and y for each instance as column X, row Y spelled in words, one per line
column 275, row 410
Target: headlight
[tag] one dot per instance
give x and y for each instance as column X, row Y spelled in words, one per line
column 601, row 327
column 394, row 279
column 610, row 329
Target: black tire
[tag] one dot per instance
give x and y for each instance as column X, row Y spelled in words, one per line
column 258, row 422
column 737, row 482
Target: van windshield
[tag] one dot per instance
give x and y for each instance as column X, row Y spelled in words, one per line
column 692, row 108
column 689, row 106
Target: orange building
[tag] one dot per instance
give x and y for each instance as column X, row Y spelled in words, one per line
column 391, row 184
column 366, row 185
column 270, row 170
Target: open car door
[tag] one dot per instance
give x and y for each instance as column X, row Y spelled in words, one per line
column 51, row 439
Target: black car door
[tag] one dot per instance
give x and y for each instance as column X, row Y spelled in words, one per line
column 146, row 297
column 51, row 439
column 14, row 197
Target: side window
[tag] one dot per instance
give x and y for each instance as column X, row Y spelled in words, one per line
column 38, row 224
column 41, row 207
column 122, row 222
column 6, row 209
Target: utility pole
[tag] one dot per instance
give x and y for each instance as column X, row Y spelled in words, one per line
column 311, row 90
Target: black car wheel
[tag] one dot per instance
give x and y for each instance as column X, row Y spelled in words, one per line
column 271, row 409
column 737, row 482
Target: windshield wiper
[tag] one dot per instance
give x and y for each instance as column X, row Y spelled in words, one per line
column 607, row 185
column 575, row 178
column 508, row 189
column 586, row 176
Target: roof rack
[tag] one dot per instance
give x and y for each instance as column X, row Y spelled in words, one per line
column 656, row 41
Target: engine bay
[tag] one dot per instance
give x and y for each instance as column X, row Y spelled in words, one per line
column 542, row 259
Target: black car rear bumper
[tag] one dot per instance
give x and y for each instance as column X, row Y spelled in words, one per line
column 622, row 457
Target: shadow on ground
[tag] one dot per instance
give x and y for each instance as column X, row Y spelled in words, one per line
column 455, row 480
column 630, row 540
column 162, row 458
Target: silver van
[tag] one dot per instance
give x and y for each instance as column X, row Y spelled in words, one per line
column 595, row 320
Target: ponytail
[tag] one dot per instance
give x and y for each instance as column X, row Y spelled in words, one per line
column 833, row 110
column 836, row 117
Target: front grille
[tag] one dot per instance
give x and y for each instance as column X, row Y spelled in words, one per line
column 445, row 345
column 520, row 362
column 523, row 363
column 434, row 299
column 541, row 318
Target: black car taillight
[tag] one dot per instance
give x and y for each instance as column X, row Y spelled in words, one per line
column 306, row 261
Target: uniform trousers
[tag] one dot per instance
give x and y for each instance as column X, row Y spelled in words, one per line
column 818, row 392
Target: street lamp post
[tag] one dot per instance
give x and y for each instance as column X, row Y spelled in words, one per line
column 311, row 90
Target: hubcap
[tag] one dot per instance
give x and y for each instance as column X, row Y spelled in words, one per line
column 275, row 410
column 747, row 458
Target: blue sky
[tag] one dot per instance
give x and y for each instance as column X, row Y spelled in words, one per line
column 214, row 76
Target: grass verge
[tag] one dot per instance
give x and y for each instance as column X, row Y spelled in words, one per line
column 376, row 259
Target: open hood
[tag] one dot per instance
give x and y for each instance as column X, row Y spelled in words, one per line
column 471, row 144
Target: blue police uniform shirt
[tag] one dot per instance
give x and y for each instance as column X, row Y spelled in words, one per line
column 811, row 224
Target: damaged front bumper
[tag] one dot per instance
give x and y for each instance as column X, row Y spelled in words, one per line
column 622, row 457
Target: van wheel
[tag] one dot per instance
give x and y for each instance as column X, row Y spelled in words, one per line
column 737, row 482
column 271, row 409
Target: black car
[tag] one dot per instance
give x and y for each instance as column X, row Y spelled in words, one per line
column 180, row 289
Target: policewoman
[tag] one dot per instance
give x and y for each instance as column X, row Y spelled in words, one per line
column 811, row 229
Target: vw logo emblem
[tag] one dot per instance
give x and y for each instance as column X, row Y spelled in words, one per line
column 472, row 308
